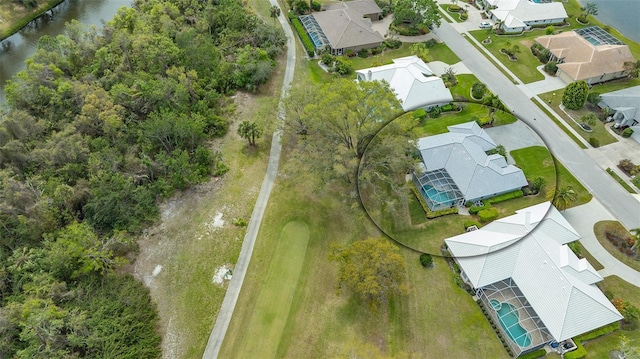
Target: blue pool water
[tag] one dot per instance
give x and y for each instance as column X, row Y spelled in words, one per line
column 437, row 197
column 315, row 39
column 593, row 41
column 509, row 321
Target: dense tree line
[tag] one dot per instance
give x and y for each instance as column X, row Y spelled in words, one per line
column 99, row 127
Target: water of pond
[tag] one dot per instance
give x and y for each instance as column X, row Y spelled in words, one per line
column 17, row 48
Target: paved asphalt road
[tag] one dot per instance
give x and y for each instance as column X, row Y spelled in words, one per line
column 614, row 198
column 233, row 291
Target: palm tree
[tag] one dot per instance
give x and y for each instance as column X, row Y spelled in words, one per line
column 563, row 197
column 590, row 9
column 275, row 12
column 421, row 50
column 249, row 131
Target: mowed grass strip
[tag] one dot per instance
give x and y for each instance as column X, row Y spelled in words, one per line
column 536, row 161
column 271, row 313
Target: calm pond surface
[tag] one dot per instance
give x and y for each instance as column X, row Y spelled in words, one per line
column 17, row 48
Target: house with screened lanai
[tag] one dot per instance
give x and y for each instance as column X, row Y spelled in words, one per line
column 535, row 287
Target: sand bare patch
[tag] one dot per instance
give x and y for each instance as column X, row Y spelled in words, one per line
column 192, row 239
column 223, row 273
column 217, row 222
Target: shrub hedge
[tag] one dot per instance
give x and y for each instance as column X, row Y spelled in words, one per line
column 533, row 355
column 306, row 41
column 627, row 132
column 505, row 197
column 426, row 260
column 447, row 107
column 442, row 212
column 581, row 352
column 392, row 44
column 476, row 209
column 488, row 214
column 468, row 224
column 485, row 120
column 429, row 213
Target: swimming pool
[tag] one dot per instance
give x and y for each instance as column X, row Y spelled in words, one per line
column 437, row 197
column 593, row 40
column 510, row 323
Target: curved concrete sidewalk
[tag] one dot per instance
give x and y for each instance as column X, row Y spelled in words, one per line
column 233, row 291
column 582, row 218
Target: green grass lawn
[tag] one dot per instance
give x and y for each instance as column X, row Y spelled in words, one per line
column 436, row 317
column 600, row 347
column 537, row 161
column 599, row 131
column 461, row 91
column 454, row 15
column 614, row 226
column 435, row 126
column 566, row 179
column 525, row 66
column 439, row 52
column 560, row 125
column 415, row 211
column 265, row 328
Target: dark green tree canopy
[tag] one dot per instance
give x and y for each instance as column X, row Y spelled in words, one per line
column 416, row 12
column 372, row 268
column 99, row 127
column 575, row 95
column 337, row 120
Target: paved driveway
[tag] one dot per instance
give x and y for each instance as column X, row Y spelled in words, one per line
column 514, row 136
column 550, row 83
column 582, row 218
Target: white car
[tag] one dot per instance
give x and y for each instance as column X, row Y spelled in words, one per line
column 485, row 25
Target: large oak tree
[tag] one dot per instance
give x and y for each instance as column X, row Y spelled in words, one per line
column 372, row 268
column 336, row 121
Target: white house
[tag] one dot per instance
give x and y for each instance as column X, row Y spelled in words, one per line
column 415, row 85
column 519, row 15
column 455, row 168
column 531, row 281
